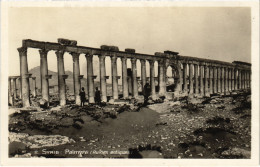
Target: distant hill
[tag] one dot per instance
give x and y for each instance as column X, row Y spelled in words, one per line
column 69, row 81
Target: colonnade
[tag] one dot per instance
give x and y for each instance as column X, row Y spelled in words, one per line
column 194, row 78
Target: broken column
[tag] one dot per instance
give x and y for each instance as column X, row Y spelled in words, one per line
column 134, row 78
column 114, row 76
column 34, row 87
column 24, row 76
column 90, row 78
column 143, row 73
column 76, row 77
column 44, row 75
column 61, row 77
column 103, row 84
column 124, row 78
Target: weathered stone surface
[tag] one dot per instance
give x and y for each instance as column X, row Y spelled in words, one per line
column 237, row 152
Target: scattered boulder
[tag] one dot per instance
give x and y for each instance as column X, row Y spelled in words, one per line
column 43, row 103
column 16, row 148
column 236, row 153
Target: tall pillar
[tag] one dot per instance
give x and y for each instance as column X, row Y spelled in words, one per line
column 76, row 77
column 210, row 79
column 201, row 80
column 134, row 77
column 191, row 79
column 24, row 76
column 61, row 77
column 229, row 80
column 90, row 78
column 226, row 80
column 114, row 77
column 162, row 83
column 206, row 86
column 143, row 72
column 10, row 94
column 222, row 79
column 239, row 79
column 232, row 79
column 124, row 78
column 103, row 84
column 219, row 79
column 34, row 87
column 247, row 83
column 235, row 79
column 152, row 75
column 215, row 76
column 185, row 85
column 196, row 79
column 249, row 78
column 44, row 75
column 14, row 88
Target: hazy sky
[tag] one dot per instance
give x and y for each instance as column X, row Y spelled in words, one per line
column 209, row 32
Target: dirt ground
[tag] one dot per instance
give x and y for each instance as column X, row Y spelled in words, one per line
column 213, row 127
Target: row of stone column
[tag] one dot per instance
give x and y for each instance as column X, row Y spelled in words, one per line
column 14, row 88
column 213, row 79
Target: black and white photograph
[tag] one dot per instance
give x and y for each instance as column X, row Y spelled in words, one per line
column 130, row 81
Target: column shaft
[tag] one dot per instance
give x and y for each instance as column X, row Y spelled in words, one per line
column 34, row 87
column 222, row 79
column 196, row 79
column 10, row 94
column 201, row 80
column 134, row 78
column 232, row 79
column 191, row 79
column 76, row 77
column 162, row 78
column 206, row 85
column 14, row 88
column 226, row 80
column 103, row 84
column 114, row 77
column 44, row 75
column 235, row 79
column 215, row 77
column 152, row 75
column 124, row 78
column 210, row 79
column 143, row 73
column 61, row 79
column 90, row 78
column 24, row 77
column 219, row 79
column 185, row 84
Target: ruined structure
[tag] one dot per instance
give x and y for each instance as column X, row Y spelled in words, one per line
column 192, row 76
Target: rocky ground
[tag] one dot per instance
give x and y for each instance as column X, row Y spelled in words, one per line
column 214, row 127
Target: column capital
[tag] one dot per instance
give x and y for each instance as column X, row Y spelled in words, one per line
column 22, row 50
column 75, row 56
column 151, row 62
column 59, row 53
column 133, row 60
column 43, row 52
column 102, row 56
column 89, row 56
column 142, row 61
column 113, row 57
column 124, row 58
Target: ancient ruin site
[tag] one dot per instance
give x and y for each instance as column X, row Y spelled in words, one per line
column 193, row 108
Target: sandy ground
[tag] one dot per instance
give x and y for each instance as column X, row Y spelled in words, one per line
column 215, row 127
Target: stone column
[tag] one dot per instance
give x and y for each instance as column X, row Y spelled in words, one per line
column 185, row 84
column 191, row 79
column 196, row 79
column 143, row 72
column 152, row 75
column 226, row 80
column 215, row 76
column 201, row 80
column 76, row 77
column 134, row 77
column 229, row 80
column 61, row 77
column 219, row 79
column 222, row 79
column 161, row 77
column 124, row 78
column 114, row 77
column 24, row 76
column 90, row 78
column 103, row 84
column 249, row 78
column 10, row 94
column 232, row 79
column 44, row 75
column 210, row 80
column 235, row 79
column 34, row 87
column 14, row 88
column 206, row 86
column 239, row 79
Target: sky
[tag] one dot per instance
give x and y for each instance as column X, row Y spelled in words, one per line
column 218, row 33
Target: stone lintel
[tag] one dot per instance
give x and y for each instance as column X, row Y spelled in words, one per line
column 160, row 54
column 171, row 52
column 129, row 50
column 13, row 77
column 109, row 48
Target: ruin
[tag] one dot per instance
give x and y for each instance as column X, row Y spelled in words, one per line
column 194, row 77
